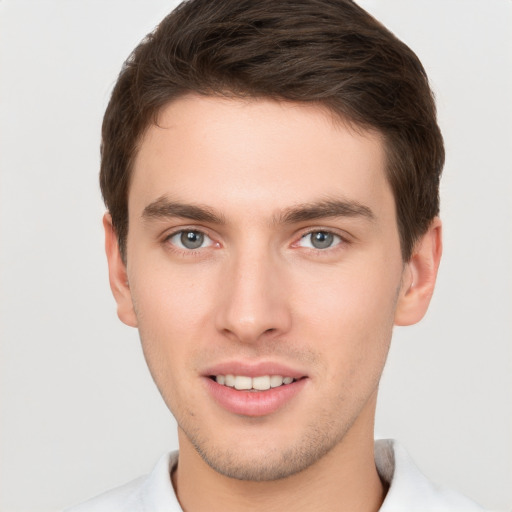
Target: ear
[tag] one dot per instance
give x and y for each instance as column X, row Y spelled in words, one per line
column 118, row 276
column 419, row 276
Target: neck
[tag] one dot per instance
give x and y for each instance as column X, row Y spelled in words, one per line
column 344, row 480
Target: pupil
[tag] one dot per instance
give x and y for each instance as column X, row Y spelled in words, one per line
column 322, row 240
column 192, row 239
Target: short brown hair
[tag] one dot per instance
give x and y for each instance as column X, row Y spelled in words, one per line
column 329, row 52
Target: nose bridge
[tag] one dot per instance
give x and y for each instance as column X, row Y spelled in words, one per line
column 253, row 304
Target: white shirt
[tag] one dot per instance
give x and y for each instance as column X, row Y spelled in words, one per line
column 409, row 490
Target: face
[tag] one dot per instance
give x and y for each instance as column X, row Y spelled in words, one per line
column 264, row 271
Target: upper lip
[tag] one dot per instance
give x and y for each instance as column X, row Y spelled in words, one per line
column 253, row 369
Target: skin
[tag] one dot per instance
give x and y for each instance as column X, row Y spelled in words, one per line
column 258, row 290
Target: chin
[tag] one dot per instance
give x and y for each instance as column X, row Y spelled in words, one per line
column 267, row 459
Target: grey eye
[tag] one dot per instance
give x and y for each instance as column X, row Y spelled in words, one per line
column 191, row 239
column 320, row 240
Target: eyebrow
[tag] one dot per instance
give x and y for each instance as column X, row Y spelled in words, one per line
column 164, row 208
column 325, row 209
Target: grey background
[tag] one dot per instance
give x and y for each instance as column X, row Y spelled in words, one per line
column 79, row 412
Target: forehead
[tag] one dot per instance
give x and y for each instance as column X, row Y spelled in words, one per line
column 256, row 153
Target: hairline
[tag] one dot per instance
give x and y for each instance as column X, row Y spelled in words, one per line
column 336, row 117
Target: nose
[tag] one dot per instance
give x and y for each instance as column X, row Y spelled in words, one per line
column 253, row 303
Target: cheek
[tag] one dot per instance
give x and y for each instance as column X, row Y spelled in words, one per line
column 349, row 316
column 173, row 299
column 173, row 308
column 357, row 297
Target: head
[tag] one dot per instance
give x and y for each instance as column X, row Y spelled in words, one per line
column 271, row 172
column 331, row 54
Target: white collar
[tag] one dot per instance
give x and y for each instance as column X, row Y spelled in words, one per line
column 409, row 490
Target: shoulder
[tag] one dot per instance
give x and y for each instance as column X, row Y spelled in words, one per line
column 153, row 492
column 409, row 490
column 114, row 500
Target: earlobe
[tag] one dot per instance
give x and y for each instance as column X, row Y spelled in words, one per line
column 117, row 275
column 419, row 277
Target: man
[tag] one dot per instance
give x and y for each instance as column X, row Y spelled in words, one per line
column 271, row 174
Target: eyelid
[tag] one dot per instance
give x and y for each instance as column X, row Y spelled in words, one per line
column 344, row 238
column 183, row 229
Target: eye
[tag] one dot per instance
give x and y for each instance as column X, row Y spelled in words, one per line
column 319, row 240
column 190, row 239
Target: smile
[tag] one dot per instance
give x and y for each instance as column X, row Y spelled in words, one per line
column 260, row 395
column 259, row 383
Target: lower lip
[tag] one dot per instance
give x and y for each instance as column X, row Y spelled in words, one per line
column 254, row 403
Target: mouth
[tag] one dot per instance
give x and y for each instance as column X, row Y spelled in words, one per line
column 247, row 383
column 254, row 389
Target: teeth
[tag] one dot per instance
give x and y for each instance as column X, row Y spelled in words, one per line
column 243, row 382
column 261, row 383
column 276, row 381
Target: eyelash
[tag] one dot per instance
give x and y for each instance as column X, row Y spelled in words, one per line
column 183, row 250
column 341, row 240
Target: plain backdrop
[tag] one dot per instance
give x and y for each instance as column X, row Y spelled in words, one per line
column 79, row 411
